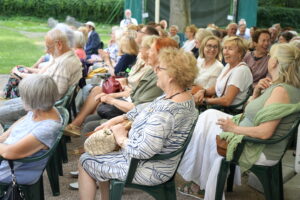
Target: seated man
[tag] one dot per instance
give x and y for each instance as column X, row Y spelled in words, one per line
column 93, row 43
column 65, row 69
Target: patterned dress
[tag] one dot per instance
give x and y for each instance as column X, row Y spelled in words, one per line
column 161, row 127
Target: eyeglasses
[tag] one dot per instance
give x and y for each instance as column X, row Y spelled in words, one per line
column 159, row 68
column 211, row 46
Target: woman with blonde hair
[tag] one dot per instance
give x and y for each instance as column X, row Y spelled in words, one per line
column 200, row 35
column 161, row 126
column 232, row 84
column 208, row 63
column 128, row 50
column 275, row 102
column 190, row 32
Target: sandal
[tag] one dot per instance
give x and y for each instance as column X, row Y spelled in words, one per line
column 72, row 130
column 191, row 189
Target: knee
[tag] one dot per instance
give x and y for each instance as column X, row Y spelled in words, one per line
column 96, row 90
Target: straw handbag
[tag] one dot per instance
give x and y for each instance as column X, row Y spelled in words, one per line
column 103, row 141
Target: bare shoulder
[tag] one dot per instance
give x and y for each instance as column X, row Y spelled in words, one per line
column 278, row 95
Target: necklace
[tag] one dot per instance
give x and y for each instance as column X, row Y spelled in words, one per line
column 175, row 95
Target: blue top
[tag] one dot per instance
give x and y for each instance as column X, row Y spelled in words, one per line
column 125, row 61
column 46, row 132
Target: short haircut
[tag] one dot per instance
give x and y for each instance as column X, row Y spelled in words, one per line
column 231, row 24
column 148, row 41
column 38, row 92
column 239, row 42
column 257, row 34
column 127, row 45
column 201, row 34
column 58, row 35
column 151, row 30
column 288, row 58
column 181, row 66
column 165, row 42
column 69, row 33
column 175, row 26
column 192, row 28
column 203, row 44
column 287, row 35
column 79, row 39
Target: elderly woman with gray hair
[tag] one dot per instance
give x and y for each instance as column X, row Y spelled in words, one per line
column 34, row 133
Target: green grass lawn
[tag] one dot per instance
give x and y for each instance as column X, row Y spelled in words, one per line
column 19, row 48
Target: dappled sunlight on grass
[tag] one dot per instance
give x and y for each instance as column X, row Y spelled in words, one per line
column 16, row 49
column 22, row 40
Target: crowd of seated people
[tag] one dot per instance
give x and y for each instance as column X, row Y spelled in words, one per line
column 163, row 84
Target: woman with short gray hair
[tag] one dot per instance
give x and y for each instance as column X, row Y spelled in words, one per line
column 34, row 133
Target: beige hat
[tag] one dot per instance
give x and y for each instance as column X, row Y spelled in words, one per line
column 91, row 24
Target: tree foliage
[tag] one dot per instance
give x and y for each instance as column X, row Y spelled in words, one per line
column 97, row 10
column 280, row 3
column 287, row 17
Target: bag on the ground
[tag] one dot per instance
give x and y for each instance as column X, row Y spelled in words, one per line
column 103, row 141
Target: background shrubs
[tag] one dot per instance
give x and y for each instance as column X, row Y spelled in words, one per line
column 105, row 11
column 287, row 17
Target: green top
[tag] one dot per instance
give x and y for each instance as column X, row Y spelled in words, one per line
column 255, row 114
column 146, row 90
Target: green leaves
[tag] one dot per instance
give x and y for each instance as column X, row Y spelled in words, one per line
column 95, row 10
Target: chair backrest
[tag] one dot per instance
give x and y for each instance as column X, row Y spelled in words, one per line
column 65, row 100
column 65, row 116
column 292, row 131
column 234, row 109
column 134, row 162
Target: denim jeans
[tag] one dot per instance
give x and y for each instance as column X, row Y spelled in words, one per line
column 11, row 111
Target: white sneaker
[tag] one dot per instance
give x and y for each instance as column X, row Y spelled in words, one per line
column 74, row 186
column 74, row 174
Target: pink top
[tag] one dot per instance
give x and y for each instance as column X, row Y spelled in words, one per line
column 80, row 53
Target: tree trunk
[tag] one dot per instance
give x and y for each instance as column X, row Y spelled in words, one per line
column 180, row 13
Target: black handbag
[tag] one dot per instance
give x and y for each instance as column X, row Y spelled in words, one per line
column 107, row 111
column 13, row 191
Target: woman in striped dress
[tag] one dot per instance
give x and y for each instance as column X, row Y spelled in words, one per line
column 159, row 127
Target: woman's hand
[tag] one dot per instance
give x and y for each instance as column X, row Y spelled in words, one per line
column 261, row 85
column 199, row 96
column 227, row 125
column 98, row 96
column 105, row 125
column 107, row 99
column 120, row 133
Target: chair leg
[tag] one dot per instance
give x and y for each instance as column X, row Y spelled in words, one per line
column 277, row 182
column 271, row 180
column 170, row 190
column 58, row 157
column 221, row 179
column 116, row 190
column 63, row 145
column 53, row 176
column 230, row 178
